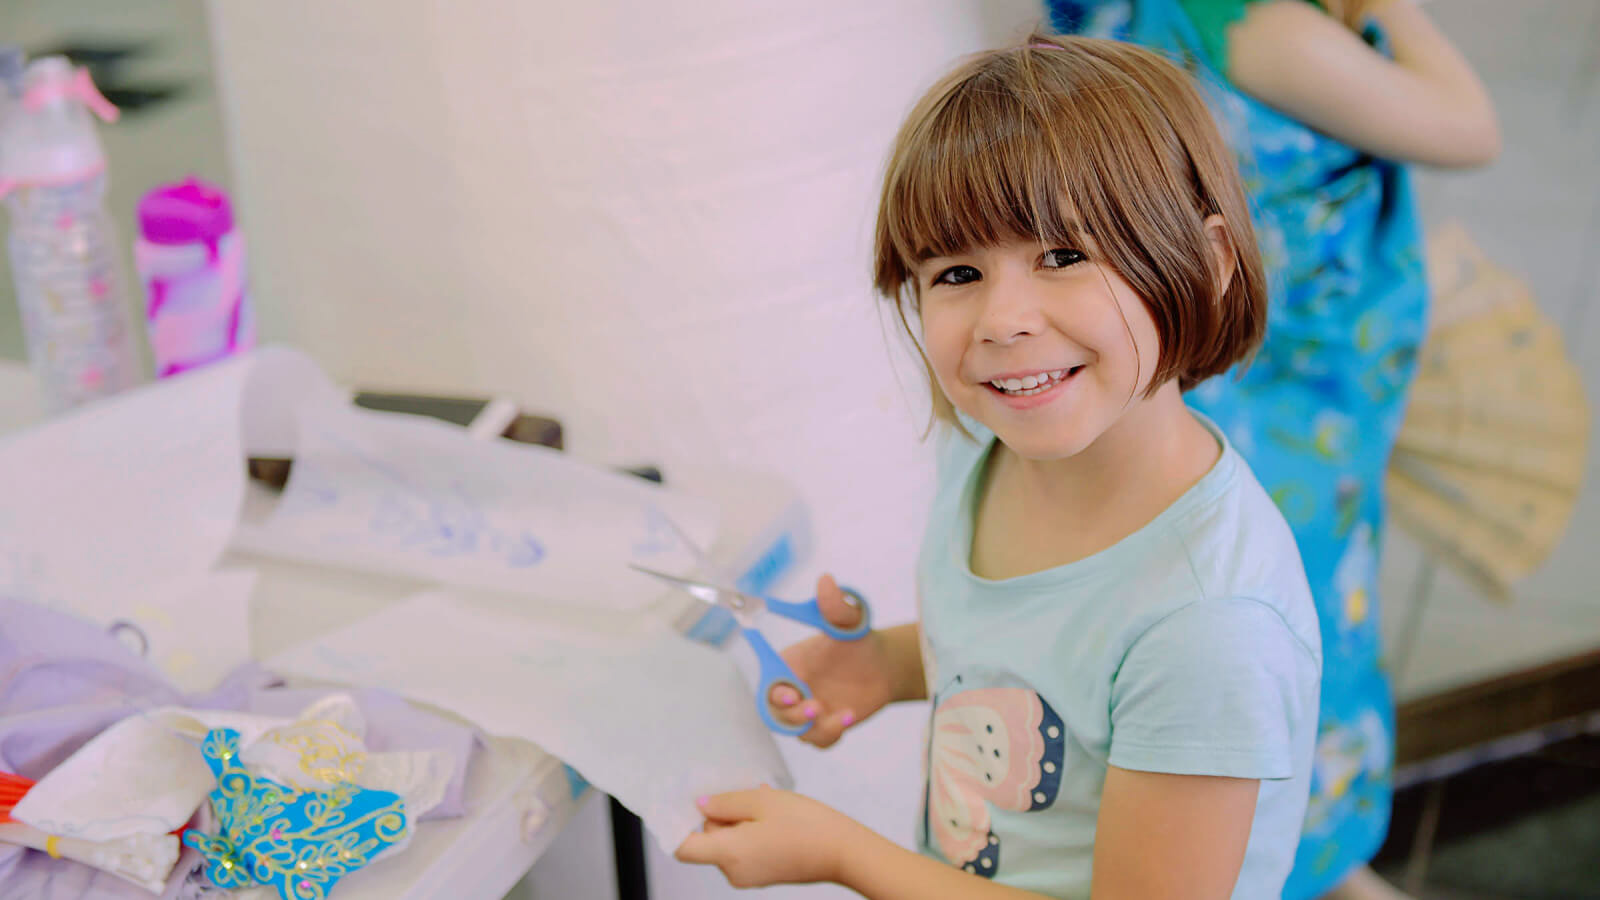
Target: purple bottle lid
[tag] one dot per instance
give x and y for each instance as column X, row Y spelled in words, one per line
column 189, row 212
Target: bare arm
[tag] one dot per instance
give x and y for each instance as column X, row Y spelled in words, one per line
column 903, row 644
column 764, row 837
column 1159, row 837
column 1424, row 106
column 1171, row 836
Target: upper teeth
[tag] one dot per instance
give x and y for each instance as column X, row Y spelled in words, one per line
column 1029, row 382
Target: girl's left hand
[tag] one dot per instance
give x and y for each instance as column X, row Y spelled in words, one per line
column 767, row 836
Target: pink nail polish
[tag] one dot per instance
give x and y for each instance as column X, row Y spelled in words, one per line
column 811, row 711
column 702, row 802
column 848, row 719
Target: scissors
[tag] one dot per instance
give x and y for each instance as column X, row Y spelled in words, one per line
column 774, row 671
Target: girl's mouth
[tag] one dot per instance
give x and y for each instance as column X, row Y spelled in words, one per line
column 1032, row 385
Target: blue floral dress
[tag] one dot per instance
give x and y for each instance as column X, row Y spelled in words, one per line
column 1317, row 412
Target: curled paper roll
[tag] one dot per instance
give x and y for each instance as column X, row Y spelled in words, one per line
column 144, row 859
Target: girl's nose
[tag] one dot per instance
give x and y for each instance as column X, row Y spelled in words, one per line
column 1011, row 311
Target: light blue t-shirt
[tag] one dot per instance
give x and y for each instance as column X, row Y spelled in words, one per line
column 1189, row 647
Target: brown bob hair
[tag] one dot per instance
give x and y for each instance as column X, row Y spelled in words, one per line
column 1067, row 138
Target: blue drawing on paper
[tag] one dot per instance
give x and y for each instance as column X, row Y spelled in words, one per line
column 659, row 535
column 445, row 523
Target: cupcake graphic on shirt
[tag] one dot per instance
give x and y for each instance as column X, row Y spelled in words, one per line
column 998, row 747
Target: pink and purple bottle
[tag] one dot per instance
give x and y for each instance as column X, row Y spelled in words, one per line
column 191, row 260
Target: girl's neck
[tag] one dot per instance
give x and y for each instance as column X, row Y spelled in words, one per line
column 1085, row 503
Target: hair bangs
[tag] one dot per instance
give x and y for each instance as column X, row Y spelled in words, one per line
column 985, row 169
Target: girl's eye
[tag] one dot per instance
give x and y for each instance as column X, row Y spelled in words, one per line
column 957, row 275
column 1060, row 258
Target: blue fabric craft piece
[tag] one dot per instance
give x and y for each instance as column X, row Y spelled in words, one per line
column 298, row 842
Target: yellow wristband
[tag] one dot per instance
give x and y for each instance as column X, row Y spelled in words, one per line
column 51, row 848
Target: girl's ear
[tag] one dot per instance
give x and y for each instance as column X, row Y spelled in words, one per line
column 1227, row 256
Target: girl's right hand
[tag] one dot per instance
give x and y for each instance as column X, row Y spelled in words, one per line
column 849, row 680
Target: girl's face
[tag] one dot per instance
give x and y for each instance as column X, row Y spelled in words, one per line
column 1045, row 347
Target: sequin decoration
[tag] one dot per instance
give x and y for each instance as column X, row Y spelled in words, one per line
column 298, row 842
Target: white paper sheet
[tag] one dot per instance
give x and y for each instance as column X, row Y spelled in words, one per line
column 648, row 716
column 119, row 511
column 402, row 494
column 145, row 487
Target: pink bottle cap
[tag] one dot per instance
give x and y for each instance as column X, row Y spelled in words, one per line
column 189, row 212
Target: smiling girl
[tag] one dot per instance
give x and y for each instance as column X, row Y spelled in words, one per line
column 1116, row 632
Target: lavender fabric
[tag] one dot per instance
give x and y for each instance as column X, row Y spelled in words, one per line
column 64, row 680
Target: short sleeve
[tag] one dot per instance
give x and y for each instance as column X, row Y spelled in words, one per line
column 1221, row 687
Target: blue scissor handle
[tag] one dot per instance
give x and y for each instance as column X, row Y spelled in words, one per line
column 774, row 671
column 809, row 613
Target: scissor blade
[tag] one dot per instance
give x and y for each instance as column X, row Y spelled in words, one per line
column 700, row 590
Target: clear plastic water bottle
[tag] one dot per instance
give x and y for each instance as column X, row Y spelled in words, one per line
column 75, row 313
column 12, row 63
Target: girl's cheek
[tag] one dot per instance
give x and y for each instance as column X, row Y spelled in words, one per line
column 948, row 368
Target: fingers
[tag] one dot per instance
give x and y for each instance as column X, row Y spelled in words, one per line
column 787, row 705
column 783, row 696
column 826, row 729
column 827, row 725
column 840, row 609
column 701, row 848
column 730, row 808
column 722, row 811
